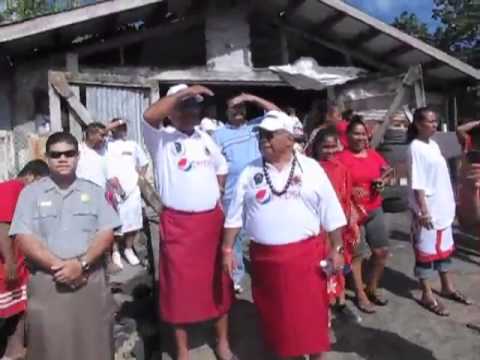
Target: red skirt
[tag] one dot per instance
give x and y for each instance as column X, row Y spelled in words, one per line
column 193, row 287
column 13, row 296
column 290, row 292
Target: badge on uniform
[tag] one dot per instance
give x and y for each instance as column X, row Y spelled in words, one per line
column 45, row 203
column 84, row 198
column 258, row 178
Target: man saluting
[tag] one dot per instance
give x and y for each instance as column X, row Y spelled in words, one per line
column 283, row 201
column 190, row 172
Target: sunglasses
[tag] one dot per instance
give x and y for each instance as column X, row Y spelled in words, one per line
column 58, row 154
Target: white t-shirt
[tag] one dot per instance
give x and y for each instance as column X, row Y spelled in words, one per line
column 309, row 205
column 92, row 165
column 429, row 172
column 125, row 157
column 186, row 167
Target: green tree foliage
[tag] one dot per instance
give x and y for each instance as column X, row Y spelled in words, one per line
column 458, row 32
column 411, row 24
column 25, row 9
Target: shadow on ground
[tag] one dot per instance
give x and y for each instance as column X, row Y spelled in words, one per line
column 399, row 283
column 375, row 344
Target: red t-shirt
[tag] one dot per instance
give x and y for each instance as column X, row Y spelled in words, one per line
column 364, row 170
column 10, row 191
column 341, row 128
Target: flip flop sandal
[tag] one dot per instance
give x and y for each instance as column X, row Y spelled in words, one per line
column 435, row 307
column 377, row 299
column 365, row 308
column 458, row 297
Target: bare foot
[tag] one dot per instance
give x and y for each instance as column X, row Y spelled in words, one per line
column 183, row 356
column 224, row 352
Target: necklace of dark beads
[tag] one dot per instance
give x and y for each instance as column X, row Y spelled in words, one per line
column 289, row 180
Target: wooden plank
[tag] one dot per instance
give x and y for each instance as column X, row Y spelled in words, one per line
column 55, row 110
column 409, row 80
column 56, row 21
column 203, row 75
column 58, row 81
column 75, row 127
column 93, row 77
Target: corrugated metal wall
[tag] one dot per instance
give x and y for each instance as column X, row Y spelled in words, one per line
column 106, row 103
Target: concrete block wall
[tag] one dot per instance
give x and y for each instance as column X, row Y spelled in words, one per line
column 227, row 35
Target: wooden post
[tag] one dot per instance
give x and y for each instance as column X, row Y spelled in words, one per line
column 55, row 109
column 59, row 83
column 414, row 75
column 75, row 127
column 72, row 62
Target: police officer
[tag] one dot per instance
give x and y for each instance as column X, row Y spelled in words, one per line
column 64, row 226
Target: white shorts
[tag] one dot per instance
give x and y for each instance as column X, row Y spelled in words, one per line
column 130, row 212
column 433, row 245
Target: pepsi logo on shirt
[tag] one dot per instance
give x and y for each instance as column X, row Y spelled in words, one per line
column 263, row 196
column 184, row 164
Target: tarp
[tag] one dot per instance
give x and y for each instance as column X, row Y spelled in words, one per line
column 306, row 74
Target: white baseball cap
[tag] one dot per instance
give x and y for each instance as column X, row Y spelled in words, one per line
column 180, row 87
column 277, row 120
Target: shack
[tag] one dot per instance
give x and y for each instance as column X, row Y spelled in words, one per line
column 114, row 57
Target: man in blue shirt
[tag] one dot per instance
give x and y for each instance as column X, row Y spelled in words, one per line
column 239, row 145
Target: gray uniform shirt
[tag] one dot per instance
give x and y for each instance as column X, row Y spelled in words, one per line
column 65, row 220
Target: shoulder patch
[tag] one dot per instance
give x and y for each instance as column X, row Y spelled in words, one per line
column 258, row 178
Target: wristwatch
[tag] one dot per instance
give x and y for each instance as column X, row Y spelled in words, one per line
column 84, row 264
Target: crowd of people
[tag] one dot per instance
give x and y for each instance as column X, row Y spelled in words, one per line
column 308, row 204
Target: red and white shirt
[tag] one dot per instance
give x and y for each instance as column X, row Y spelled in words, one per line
column 309, row 206
column 186, row 167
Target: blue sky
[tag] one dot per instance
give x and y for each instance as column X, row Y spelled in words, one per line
column 387, row 10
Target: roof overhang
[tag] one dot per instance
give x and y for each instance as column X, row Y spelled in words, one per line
column 66, row 26
column 367, row 37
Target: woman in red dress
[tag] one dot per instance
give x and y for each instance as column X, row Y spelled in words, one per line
column 325, row 148
column 13, row 272
column 369, row 172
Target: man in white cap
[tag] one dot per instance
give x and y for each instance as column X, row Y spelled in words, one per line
column 284, row 201
column 127, row 162
column 190, row 171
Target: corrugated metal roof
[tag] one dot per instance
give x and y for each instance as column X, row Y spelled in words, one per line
column 334, row 20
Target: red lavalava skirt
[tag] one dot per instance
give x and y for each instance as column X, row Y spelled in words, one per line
column 290, row 292
column 193, row 287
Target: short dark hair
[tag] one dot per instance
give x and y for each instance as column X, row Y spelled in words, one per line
column 347, row 115
column 61, row 137
column 37, row 168
column 475, row 136
column 93, row 128
column 321, row 136
column 356, row 121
